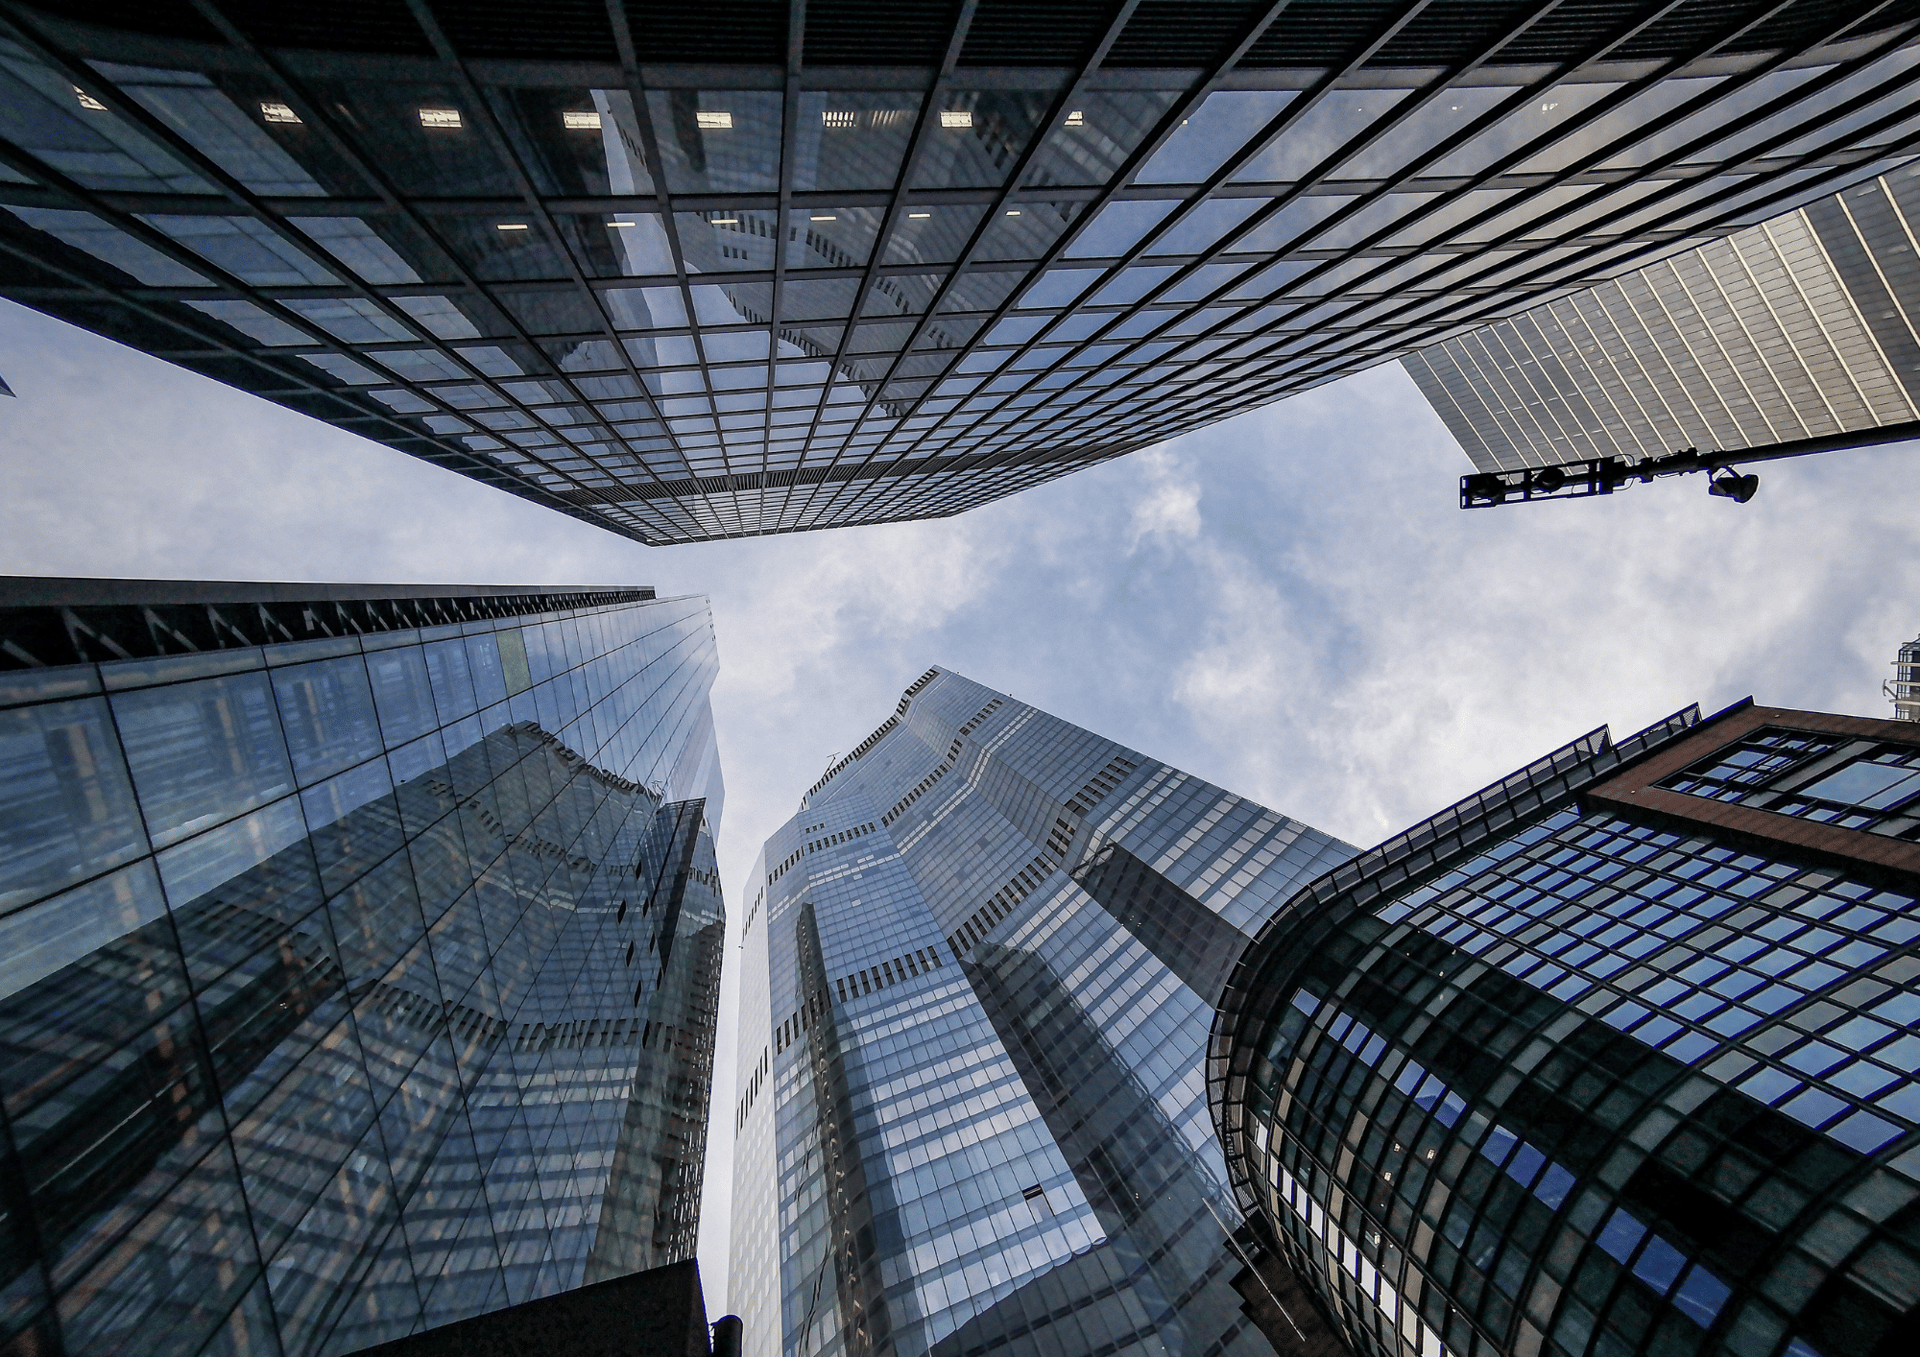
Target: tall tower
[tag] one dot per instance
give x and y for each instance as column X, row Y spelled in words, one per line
column 794, row 264
column 979, row 969
column 1615, row 1056
column 359, row 957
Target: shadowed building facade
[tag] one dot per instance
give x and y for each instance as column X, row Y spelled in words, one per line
column 1806, row 326
column 977, row 978
column 690, row 274
column 359, row 954
column 1615, row 1057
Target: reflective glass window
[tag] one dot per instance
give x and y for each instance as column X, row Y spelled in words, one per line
column 67, row 808
column 203, row 751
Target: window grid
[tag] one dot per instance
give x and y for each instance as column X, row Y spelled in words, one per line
column 706, row 334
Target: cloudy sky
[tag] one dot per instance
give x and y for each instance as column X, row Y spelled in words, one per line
column 1289, row 604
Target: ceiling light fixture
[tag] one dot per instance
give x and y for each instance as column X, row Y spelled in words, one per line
column 956, row 117
column 719, row 121
column 513, row 226
column 587, row 121
column 440, row 117
column 278, row 113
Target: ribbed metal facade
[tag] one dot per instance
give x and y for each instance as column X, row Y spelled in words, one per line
column 783, row 266
column 1804, row 326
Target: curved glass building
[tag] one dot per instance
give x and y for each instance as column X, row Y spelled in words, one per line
column 692, row 274
column 1615, row 1057
column 359, row 956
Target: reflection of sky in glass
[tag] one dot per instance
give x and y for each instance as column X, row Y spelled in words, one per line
column 1355, row 249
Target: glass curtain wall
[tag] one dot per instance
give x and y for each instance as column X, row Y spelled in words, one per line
column 354, row 985
column 978, row 974
column 853, row 262
column 1616, row 1057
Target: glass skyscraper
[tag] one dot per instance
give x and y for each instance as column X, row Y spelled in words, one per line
column 978, row 973
column 359, row 952
column 693, row 272
column 1803, row 327
column 1615, row 1057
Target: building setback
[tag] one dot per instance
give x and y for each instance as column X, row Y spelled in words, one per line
column 1616, row 1056
column 359, row 951
column 691, row 273
column 975, row 998
column 1805, row 326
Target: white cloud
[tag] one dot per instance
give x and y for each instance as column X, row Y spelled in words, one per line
column 1170, row 505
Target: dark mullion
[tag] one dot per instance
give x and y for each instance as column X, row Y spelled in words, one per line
column 314, row 113
column 666, row 205
column 909, row 163
column 1281, row 297
column 78, row 199
column 1304, row 188
column 1562, row 177
column 1502, row 302
column 789, row 141
column 238, row 197
column 508, row 157
column 140, row 200
column 1672, row 159
column 1500, row 306
column 411, row 441
column 1168, row 124
column 1013, row 186
column 1275, row 129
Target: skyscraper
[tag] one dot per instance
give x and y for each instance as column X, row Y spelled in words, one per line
column 1614, row 1057
column 1803, row 327
column 691, row 274
column 977, row 978
column 358, row 960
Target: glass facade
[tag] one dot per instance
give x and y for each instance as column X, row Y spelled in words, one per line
column 1801, row 327
column 978, row 976
column 784, row 267
column 323, row 1012
column 1616, row 1058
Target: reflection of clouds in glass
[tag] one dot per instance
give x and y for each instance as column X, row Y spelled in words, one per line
column 1314, row 136
column 1213, row 132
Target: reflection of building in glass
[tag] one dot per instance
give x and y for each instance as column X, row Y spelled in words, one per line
column 1803, row 327
column 1904, row 687
column 979, row 973
column 359, row 958
column 1615, row 1057
column 784, row 267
